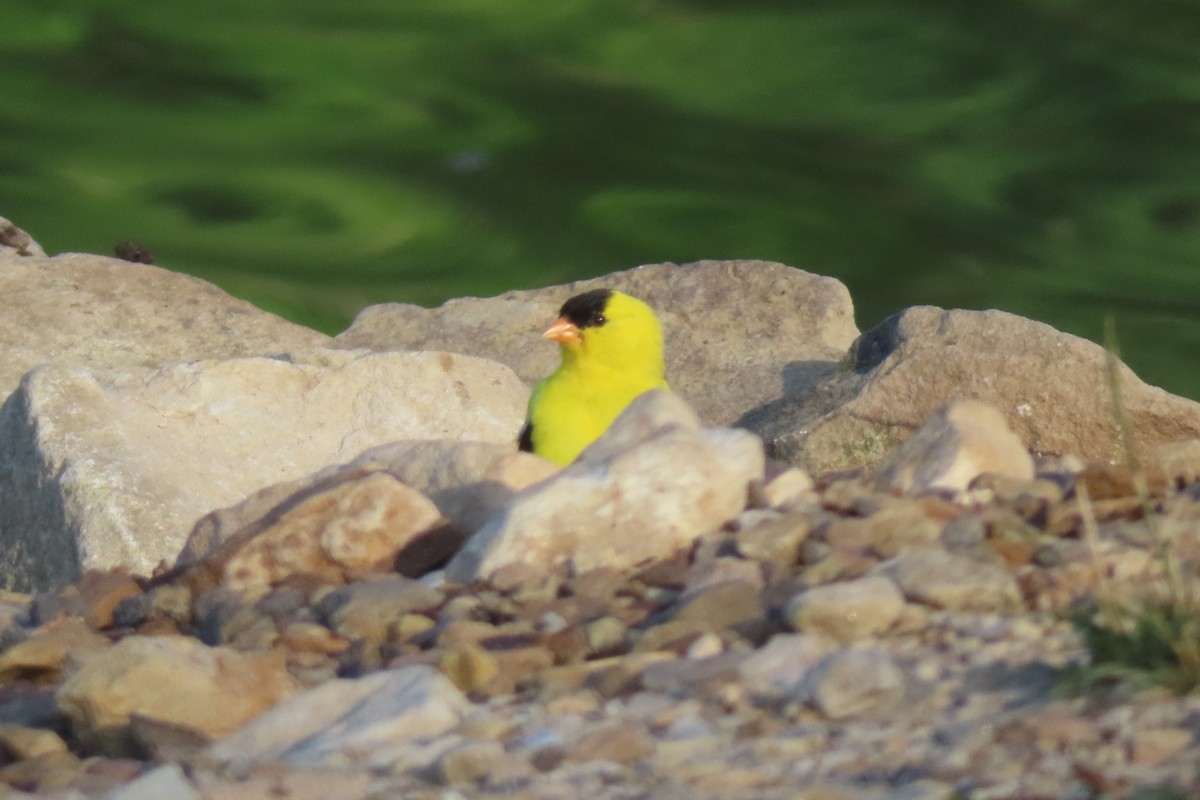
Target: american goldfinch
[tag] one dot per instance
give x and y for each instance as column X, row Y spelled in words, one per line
column 612, row 351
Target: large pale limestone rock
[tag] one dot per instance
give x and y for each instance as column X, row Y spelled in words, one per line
column 643, row 491
column 101, row 313
column 960, row 442
column 173, row 680
column 738, row 333
column 345, row 722
column 98, row 473
column 1052, row 388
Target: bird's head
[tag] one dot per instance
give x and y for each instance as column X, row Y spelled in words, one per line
column 608, row 327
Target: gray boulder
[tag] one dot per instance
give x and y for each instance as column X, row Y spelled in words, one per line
column 739, row 333
column 89, row 311
column 1052, row 388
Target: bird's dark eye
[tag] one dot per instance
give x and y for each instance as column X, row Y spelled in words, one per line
column 601, row 319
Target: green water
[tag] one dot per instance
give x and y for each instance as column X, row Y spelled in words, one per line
column 1040, row 157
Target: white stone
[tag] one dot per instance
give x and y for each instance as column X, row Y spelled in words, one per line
column 960, row 442
column 628, row 500
column 348, row 721
column 164, row 783
column 103, row 472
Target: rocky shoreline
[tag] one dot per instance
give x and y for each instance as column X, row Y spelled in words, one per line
column 247, row 560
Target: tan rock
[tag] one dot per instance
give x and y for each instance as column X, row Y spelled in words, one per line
column 960, row 442
column 847, row 611
column 101, row 473
column 1176, row 460
column 622, row 504
column 778, row 669
column 1051, row 387
column 369, row 609
column 467, row 481
column 898, row 526
column 715, row 606
column 102, row 590
column 786, row 489
column 470, row 668
column 213, row 690
column 775, row 540
column 331, row 530
column 1156, row 745
column 18, row 742
column 944, row 580
column 620, row 743
column 469, row 763
column 850, row 682
column 43, row 653
column 738, row 333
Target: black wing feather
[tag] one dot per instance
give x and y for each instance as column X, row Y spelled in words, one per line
column 525, row 440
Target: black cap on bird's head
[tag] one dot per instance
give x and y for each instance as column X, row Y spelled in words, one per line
column 580, row 312
column 587, row 310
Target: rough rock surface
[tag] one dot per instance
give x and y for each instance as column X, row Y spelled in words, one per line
column 467, row 481
column 101, row 473
column 739, row 333
column 643, row 491
column 176, row 680
column 946, row 646
column 682, row 680
column 332, row 530
column 102, row 313
column 1052, row 388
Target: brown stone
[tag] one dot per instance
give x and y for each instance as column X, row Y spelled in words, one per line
column 329, row 530
column 102, row 590
column 19, row 742
column 726, row 604
column 1155, row 746
column 619, row 743
column 468, row 667
column 170, row 679
column 777, row 540
column 42, row 655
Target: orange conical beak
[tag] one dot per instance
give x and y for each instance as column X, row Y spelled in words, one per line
column 563, row 331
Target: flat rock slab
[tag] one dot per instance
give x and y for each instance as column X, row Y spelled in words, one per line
column 100, row 473
column 1052, row 388
column 96, row 312
column 738, row 333
column 361, row 720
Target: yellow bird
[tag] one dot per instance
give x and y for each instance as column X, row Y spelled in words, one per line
column 612, row 351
